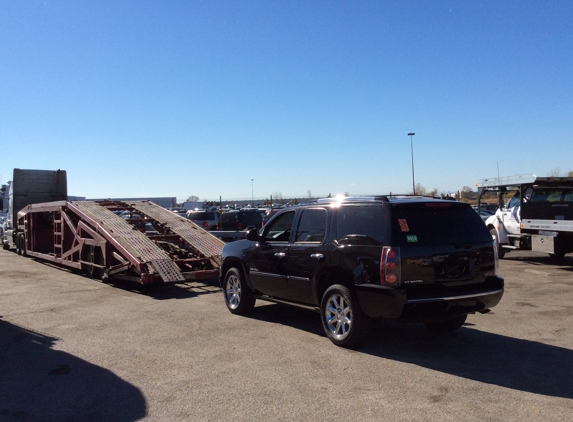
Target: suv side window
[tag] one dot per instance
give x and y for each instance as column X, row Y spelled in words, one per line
column 312, row 225
column 279, row 230
column 360, row 225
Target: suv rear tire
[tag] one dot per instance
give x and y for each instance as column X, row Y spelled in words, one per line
column 342, row 319
column 238, row 298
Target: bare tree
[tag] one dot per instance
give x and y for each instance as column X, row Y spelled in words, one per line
column 279, row 197
column 193, row 198
column 420, row 190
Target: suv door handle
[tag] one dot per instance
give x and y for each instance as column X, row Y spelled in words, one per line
column 280, row 254
column 317, row 256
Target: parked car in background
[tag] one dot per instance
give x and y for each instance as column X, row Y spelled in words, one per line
column 483, row 213
column 179, row 211
column 208, row 219
column 240, row 219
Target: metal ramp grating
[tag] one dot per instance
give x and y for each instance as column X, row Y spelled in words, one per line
column 203, row 241
column 133, row 241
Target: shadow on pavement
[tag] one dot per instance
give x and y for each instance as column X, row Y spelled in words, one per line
column 43, row 384
column 167, row 291
column 159, row 291
column 508, row 362
column 539, row 259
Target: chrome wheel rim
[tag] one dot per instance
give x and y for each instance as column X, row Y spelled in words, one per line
column 233, row 291
column 338, row 316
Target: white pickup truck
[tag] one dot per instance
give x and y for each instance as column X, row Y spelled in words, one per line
column 538, row 217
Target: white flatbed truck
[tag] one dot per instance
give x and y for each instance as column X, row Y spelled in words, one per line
column 538, row 217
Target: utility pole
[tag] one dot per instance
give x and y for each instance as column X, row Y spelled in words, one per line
column 411, row 134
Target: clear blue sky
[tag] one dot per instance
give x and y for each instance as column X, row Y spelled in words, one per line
column 179, row 98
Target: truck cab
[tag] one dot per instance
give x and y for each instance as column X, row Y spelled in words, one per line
column 509, row 214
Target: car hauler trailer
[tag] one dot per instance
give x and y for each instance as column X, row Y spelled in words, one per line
column 538, row 217
column 132, row 240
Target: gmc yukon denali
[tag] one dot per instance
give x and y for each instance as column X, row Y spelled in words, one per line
column 359, row 259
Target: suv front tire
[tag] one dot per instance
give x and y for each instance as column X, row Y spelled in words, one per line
column 238, row 298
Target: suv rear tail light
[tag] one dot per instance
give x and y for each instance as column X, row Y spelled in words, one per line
column 390, row 270
column 205, row 225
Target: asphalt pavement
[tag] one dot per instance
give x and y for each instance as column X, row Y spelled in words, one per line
column 75, row 349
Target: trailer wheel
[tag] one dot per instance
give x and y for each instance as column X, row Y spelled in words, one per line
column 92, row 255
column 558, row 255
column 18, row 242
column 96, row 269
column 22, row 242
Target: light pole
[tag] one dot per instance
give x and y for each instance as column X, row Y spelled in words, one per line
column 412, row 149
column 252, row 194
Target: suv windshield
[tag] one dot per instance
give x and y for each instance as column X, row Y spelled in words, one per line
column 430, row 224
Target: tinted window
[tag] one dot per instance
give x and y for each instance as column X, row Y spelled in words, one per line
column 552, row 195
column 312, row 226
column 514, row 201
column 363, row 225
column 202, row 215
column 437, row 224
column 251, row 219
column 279, row 229
column 228, row 217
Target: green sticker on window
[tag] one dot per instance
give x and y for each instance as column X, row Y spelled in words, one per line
column 412, row 238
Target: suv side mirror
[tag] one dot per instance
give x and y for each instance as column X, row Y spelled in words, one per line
column 253, row 234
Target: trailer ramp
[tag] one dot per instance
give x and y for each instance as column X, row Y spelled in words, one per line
column 132, row 244
column 196, row 236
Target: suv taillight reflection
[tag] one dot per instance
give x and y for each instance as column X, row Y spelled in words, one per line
column 390, row 272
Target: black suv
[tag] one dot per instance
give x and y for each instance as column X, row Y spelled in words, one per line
column 359, row 259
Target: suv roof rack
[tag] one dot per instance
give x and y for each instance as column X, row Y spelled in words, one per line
column 384, row 198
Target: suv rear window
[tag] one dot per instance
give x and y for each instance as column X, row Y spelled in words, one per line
column 251, row 218
column 430, row 224
column 202, row 215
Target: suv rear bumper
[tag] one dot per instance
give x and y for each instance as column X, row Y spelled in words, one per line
column 380, row 302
